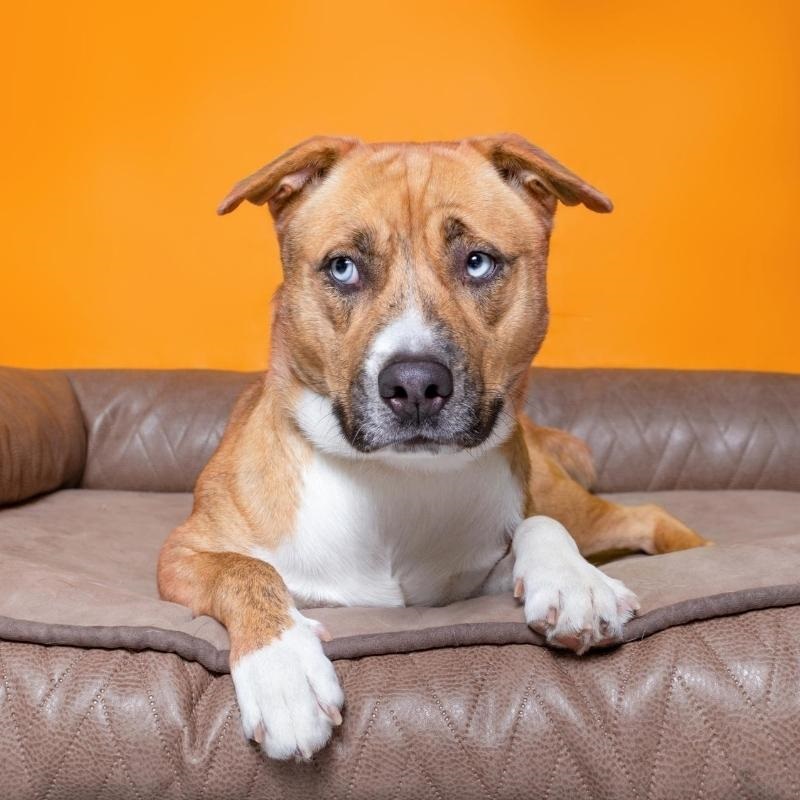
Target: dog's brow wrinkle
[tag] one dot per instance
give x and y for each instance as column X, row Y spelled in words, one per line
column 454, row 229
column 363, row 241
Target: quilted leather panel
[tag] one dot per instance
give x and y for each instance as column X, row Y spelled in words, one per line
column 648, row 429
column 153, row 430
column 661, row 429
column 705, row 710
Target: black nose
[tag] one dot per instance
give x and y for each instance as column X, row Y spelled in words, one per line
column 415, row 390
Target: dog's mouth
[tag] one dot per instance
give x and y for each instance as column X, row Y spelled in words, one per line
column 421, row 444
column 456, row 428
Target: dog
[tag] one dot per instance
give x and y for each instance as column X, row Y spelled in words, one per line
column 385, row 458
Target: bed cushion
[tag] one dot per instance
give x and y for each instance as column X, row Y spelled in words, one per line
column 78, row 568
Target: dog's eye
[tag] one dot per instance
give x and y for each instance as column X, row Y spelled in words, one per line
column 343, row 270
column 480, row 266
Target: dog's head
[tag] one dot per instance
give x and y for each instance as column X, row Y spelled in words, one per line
column 414, row 293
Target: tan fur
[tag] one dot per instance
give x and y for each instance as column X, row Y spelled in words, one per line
column 400, row 203
column 597, row 525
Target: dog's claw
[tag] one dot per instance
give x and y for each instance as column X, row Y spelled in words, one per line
column 323, row 634
column 333, row 714
column 519, row 588
column 258, row 734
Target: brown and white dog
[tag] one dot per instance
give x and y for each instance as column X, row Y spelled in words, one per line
column 385, row 458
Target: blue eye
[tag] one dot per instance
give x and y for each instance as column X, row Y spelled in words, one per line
column 480, row 266
column 343, row 270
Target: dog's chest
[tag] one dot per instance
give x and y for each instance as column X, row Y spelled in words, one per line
column 370, row 534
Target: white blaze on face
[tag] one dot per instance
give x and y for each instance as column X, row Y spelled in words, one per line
column 406, row 335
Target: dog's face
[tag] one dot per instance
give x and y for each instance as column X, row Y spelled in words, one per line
column 414, row 296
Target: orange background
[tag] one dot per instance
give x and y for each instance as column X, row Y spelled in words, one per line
column 127, row 124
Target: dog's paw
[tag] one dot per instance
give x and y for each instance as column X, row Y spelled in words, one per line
column 288, row 692
column 670, row 534
column 566, row 599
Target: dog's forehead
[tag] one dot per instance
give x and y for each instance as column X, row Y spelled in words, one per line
column 404, row 186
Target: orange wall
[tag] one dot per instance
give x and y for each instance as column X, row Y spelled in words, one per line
column 127, row 125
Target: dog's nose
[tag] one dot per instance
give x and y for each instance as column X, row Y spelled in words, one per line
column 415, row 390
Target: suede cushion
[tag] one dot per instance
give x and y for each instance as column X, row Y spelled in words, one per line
column 78, row 568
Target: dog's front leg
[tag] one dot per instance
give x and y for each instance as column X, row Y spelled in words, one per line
column 566, row 599
column 288, row 692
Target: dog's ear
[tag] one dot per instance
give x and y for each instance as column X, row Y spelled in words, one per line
column 524, row 165
column 283, row 179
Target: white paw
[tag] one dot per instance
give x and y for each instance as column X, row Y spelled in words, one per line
column 289, row 695
column 566, row 599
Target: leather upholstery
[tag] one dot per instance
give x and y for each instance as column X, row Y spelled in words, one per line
column 649, row 430
column 153, row 430
column 42, row 441
column 705, row 710
column 665, row 429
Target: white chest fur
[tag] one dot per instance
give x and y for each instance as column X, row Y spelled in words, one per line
column 368, row 533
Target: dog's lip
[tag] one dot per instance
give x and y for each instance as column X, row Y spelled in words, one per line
column 418, row 442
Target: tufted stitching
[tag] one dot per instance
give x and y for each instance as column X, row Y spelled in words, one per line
column 14, row 721
column 544, row 723
column 662, row 727
column 211, row 763
column 589, row 706
column 159, row 732
column 451, row 728
column 647, row 429
column 523, row 702
column 753, row 708
column 410, row 749
column 362, row 744
column 661, row 429
column 118, row 749
column 115, row 666
column 714, row 737
column 60, row 679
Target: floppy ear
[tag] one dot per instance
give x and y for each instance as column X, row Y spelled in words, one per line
column 523, row 164
column 285, row 178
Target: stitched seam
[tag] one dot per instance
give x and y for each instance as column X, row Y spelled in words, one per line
column 117, row 748
column 748, row 700
column 661, row 728
column 451, row 728
column 363, row 738
column 212, row 756
column 551, row 780
column 599, row 721
column 14, row 722
column 251, row 784
column 151, row 463
column 513, row 733
column 102, row 788
column 567, row 749
column 159, row 731
column 714, row 737
column 61, row 677
column 196, row 704
column 97, row 697
column 410, row 748
column 778, row 636
column 478, row 693
column 398, row 792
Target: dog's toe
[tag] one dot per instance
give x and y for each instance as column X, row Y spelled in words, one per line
column 579, row 608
